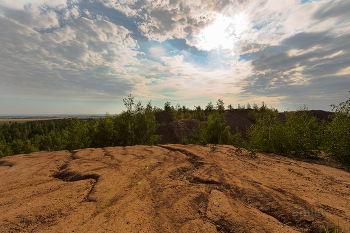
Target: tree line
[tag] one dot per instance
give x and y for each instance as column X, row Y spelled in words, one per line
column 298, row 133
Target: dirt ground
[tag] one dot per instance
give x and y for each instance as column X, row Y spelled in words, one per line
column 170, row 188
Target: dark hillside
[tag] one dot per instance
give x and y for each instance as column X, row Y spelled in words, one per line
column 174, row 131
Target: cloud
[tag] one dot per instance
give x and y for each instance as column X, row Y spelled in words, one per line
column 188, row 80
column 309, row 61
column 157, row 51
column 84, row 56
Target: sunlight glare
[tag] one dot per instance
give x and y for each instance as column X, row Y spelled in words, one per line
column 223, row 32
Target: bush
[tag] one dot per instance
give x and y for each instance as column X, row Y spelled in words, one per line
column 299, row 134
column 167, row 107
column 337, row 134
column 214, row 131
column 187, row 114
column 185, row 141
column 178, row 114
column 198, row 114
column 220, row 107
column 136, row 127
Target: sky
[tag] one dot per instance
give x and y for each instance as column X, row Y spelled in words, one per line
column 84, row 57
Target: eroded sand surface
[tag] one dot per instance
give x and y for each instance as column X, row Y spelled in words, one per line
column 169, row 188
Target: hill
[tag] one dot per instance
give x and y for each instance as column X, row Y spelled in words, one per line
column 174, row 131
column 170, row 188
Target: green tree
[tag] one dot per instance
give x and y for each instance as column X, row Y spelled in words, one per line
column 301, row 133
column 167, row 107
column 198, row 114
column 220, row 106
column 209, row 108
column 337, row 133
column 178, row 114
column 105, row 133
column 230, row 107
column 262, row 134
column 214, row 131
column 78, row 137
column 137, row 127
column 188, row 114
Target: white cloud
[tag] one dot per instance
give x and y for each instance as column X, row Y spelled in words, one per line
column 197, row 82
column 85, row 58
column 157, row 51
column 19, row 4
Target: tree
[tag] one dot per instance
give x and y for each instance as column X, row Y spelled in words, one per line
column 137, row 127
column 337, row 133
column 214, row 131
column 178, row 114
column 220, row 106
column 78, row 137
column 187, row 114
column 198, row 114
column 167, row 107
column 230, row 106
column 209, row 108
column 105, row 133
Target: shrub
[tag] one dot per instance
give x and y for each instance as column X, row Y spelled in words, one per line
column 213, row 148
column 299, row 134
column 167, row 107
column 178, row 114
column 185, row 141
column 136, row 127
column 209, row 108
column 220, row 107
column 187, row 114
column 214, row 131
column 198, row 114
column 198, row 135
column 337, row 134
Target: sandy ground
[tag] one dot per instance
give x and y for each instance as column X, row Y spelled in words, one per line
column 170, row 188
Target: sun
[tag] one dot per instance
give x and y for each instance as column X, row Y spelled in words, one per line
column 223, row 32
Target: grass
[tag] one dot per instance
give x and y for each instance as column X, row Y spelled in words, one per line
column 337, row 228
column 213, row 148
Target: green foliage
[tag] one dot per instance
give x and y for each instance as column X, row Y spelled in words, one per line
column 185, row 141
column 215, row 127
column 262, row 135
column 209, row 108
column 198, row 114
column 78, row 136
column 105, row 133
column 337, row 134
column 337, row 228
column 167, row 107
column 220, row 106
column 213, row 148
column 299, row 134
column 199, row 135
column 188, row 114
column 230, row 106
column 178, row 114
column 136, row 127
column 214, row 131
